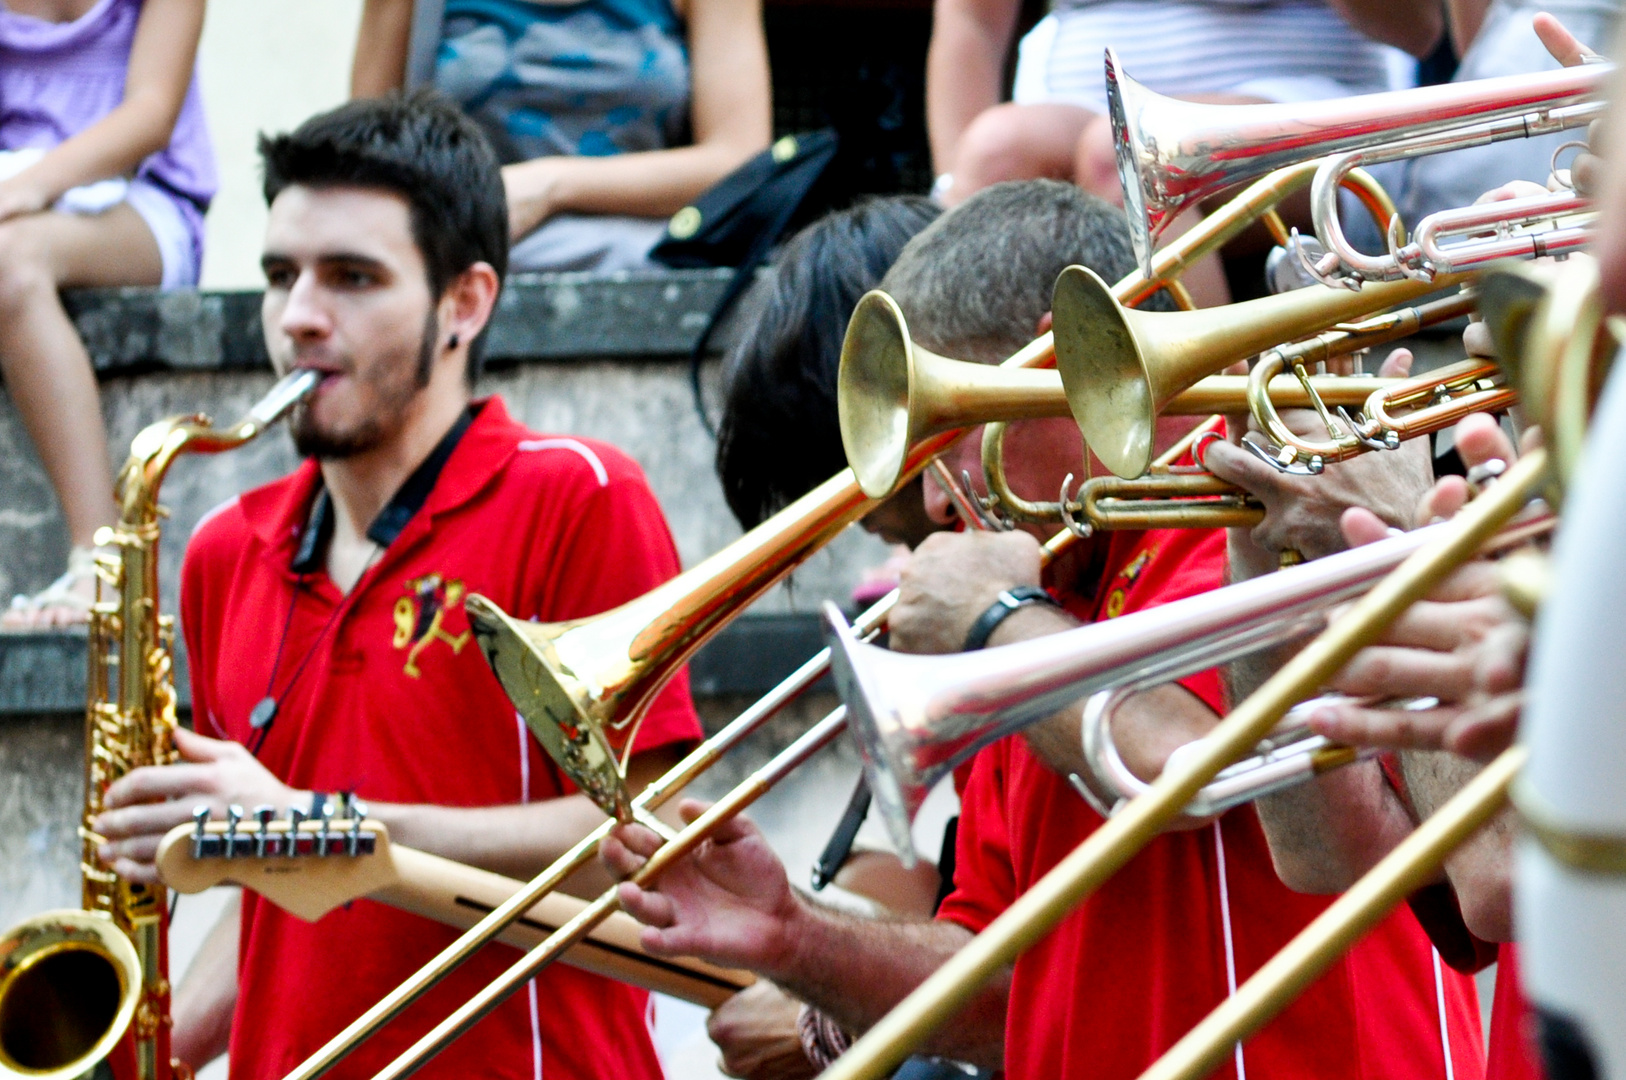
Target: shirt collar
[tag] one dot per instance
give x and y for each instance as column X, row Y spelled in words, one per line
column 392, row 520
column 279, row 512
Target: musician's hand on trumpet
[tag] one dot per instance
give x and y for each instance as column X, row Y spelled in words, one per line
column 1302, row 512
column 1465, row 647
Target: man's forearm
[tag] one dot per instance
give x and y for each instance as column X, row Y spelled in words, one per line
column 1481, row 870
column 207, row 995
column 1325, row 833
column 517, row 841
column 855, row 970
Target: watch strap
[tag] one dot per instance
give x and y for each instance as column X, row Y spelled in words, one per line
column 1005, row 604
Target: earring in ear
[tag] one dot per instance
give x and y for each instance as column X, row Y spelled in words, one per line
column 451, row 343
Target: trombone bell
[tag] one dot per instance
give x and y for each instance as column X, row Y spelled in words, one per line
column 890, row 776
column 526, row 662
column 69, row 982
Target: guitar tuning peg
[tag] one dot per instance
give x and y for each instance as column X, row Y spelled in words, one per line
column 234, row 814
column 262, row 814
column 352, row 840
column 200, row 820
column 295, row 817
column 326, row 813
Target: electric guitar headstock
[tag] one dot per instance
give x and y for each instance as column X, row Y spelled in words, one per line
column 305, row 864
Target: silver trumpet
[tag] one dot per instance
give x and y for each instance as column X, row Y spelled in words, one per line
column 917, row 717
column 1525, row 228
column 1173, row 154
column 1290, row 756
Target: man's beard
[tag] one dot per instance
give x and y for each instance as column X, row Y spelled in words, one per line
column 394, row 394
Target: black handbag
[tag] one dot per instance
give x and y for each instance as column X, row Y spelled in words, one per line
column 751, row 208
column 738, row 220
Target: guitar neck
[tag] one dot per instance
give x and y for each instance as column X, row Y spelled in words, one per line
column 459, row 895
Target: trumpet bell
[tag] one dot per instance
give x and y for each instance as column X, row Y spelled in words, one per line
column 69, row 983
column 892, row 394
column 874, row 392
column 1121, row 368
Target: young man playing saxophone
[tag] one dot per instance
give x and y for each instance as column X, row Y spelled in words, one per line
column 1137, row 964
column 324, row 621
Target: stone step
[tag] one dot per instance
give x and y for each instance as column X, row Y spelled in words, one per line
column 44, row 673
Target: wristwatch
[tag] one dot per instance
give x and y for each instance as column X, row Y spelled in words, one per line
column 1008, row 601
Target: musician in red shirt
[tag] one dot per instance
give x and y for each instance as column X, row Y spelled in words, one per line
column 1136, row 965
column 325, row 629
column 1465, row 647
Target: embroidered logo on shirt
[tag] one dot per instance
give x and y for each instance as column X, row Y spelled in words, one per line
column 1121, row 583
column 419, row 618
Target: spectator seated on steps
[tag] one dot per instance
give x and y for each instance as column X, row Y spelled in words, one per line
column 105, row 173
column 609, row 116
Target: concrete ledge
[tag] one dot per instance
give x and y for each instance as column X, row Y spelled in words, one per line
column 543, row 317
column 44, row 673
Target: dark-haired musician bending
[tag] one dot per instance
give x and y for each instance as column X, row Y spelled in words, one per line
column 1137, row 964
column 324, row 615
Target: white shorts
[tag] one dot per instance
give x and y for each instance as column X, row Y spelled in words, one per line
column 598, row 243
column 1190, row 47
column 172, row 227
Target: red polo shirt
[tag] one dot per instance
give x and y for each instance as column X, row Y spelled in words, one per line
column 1513, row 1053
column 385, row 693
column 1140, row 962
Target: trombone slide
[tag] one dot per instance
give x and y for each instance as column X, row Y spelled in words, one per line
column 459, row 895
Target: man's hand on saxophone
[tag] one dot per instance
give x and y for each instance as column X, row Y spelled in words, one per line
column 147, row 803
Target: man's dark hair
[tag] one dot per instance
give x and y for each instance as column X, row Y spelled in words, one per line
column 779, row 436
column 421, row 146
column 975, row 284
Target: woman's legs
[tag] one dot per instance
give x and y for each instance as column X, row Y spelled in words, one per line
column 46, row 368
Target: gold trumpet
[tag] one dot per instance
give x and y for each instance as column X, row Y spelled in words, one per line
column 1122, row 368
column 83, row 987
column 893, row 392
column 1174, row 154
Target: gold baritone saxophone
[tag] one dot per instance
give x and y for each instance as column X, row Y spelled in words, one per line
column 88, row 988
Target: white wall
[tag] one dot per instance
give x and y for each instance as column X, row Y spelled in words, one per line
column 263, row 67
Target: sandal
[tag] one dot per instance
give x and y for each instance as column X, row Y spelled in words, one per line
column 64, row 602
